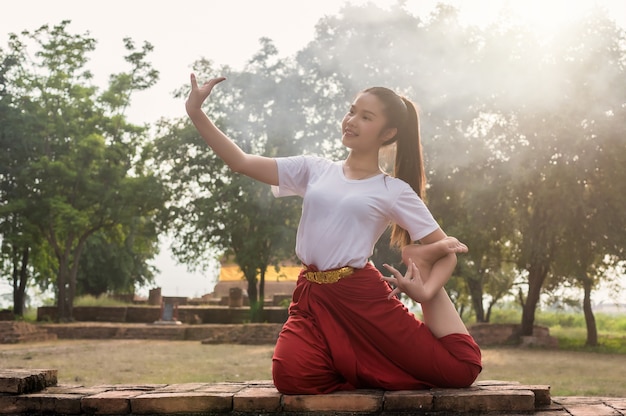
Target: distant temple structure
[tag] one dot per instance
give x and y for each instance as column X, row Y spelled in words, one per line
column 279, row 285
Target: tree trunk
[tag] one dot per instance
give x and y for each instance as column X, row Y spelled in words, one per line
column 590, row 320
column 62, row 312
column 73, row 274
column 252, row 290
column 536, row 276
column 20, row 278
column 475, row 286
column 253, row 298
column 489, row 309
column 259, row 314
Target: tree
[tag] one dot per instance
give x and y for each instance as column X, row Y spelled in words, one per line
column 87, row 175
column 504, row 140
column 498, row 132
column 214, row 209
column 367, row 46
column 21, row 245
column 116, row 260
column 570, row 203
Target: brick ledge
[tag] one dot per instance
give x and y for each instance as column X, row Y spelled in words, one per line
column 261, row 397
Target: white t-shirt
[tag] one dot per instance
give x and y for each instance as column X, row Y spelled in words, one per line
column 342, row 219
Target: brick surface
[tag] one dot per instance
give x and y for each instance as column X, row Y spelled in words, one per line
column 596, row 406
column 133, row 387
column 20, row 381
column 80, row 390
column 541, row 392
column 409, row 400
column 351, row 401
column 467, row 400
column 19, row 405
column 619, row 404
column 185, row 402
column 113, row 402
column 255, row 399
column 62, row 404
column 261, row 398
column 182, row 388
column 592, row 410
column 221, row 388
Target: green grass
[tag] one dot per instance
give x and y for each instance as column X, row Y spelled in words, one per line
column 568, row 373
column 571, row 331
column 573, row 339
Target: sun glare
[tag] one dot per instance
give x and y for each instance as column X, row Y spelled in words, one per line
column 548, row 17
column 545, row 17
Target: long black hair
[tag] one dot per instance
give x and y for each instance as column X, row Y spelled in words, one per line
column 409, row 164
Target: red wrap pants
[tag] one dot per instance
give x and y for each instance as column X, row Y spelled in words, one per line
column 348, row 335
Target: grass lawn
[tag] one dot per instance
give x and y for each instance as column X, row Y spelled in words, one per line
column 92, row 362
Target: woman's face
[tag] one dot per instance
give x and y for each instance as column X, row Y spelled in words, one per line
column 364, row 126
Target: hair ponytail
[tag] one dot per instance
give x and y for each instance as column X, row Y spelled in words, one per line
column 409, row 165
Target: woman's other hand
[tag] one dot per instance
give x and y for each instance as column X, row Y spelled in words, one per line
column 411, row 283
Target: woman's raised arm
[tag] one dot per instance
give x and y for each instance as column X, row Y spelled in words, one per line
column 257, row 167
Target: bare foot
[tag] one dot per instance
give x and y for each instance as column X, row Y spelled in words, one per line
column 452, row 245
column 425, row 255
column 433, row 251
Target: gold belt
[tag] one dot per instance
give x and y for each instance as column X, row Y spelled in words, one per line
column 328, row 276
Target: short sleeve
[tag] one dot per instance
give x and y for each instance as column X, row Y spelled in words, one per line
column 410, row 213
column 294, row 174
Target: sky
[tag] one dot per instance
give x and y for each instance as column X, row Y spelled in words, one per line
column 228, row 33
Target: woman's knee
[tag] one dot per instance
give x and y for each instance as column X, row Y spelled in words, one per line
column 289, row 379
column 466, row 376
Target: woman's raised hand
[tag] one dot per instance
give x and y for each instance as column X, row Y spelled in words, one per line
column 200, row 93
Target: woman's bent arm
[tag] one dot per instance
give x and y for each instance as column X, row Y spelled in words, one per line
column 257, row 167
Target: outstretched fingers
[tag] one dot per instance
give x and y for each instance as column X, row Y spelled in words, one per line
column 399, row 282
column 194, row 82
column 200, row 93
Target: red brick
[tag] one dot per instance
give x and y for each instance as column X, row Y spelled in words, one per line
column 619, row 404
column 408, row 400
column 221, row 388
column 183, row 402
column 182, row 388
column 541, row 392
column 12, row 404
column 570, row 400
column 486, row 383
column 20, row 381
column 85, row 391
column 592, row 410
column 65, row 404
column 255, row 399
column 109, row 402
column 467, row 400
column 133, row 387
column 349, row 401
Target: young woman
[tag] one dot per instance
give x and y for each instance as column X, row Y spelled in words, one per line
column 346, row 329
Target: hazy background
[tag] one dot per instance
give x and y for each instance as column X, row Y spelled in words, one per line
column 228, row 33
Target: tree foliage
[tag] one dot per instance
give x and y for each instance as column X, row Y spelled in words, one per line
column 522, row 137
column 77, row 170
column 524, row 142
column 216, row 211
